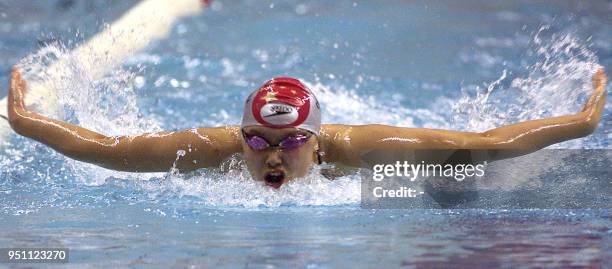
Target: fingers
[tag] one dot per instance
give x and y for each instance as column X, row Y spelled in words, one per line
column 18, row 86
column 599, row 79
column 21, row 82
column 17, row 82
column 15, row 76
column 599, row 84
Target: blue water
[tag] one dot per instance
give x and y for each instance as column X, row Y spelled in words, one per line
column 469, row 65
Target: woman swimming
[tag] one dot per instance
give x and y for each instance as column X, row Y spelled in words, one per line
column 281, row 137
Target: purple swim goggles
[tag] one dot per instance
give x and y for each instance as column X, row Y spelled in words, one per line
column 290, row 142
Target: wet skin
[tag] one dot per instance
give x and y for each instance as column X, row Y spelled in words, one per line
column 348, row 145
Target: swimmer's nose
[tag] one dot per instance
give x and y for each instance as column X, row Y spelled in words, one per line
column 274, row 159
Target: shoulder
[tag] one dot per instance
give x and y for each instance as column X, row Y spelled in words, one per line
column 340, row 142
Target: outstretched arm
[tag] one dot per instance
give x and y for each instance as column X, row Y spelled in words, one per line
column 362, row 146
column 154, row 152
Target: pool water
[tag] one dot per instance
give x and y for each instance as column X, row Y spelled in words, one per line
column 469, row 65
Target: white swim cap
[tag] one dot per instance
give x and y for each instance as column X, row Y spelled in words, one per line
column 283, row 103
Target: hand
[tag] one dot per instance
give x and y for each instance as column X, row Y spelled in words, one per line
column 17, row 88
column 597, row 99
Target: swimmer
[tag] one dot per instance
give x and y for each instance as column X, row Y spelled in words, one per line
column 281, row 137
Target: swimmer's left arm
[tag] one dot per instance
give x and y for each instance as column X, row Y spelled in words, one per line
column 362, row 146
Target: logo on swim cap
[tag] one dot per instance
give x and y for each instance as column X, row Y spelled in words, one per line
column 278, row 114
column 280, row 104
column 283, row 103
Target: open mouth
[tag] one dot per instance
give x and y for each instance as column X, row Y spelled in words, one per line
column 275, row 179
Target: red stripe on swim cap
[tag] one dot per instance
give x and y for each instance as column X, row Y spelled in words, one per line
column 282, row 90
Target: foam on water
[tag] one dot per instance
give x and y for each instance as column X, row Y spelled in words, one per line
column 555, row 84
column 235, row 187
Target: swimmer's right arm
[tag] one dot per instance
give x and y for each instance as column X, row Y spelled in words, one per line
column 154, row 152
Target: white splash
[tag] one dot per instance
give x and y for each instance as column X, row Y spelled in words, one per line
column 557, row 84
column 107, row 105
column 235, row 187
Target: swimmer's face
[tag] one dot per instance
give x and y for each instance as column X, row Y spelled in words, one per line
column 276, row 166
